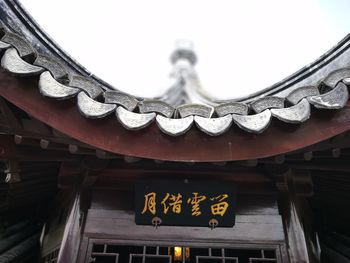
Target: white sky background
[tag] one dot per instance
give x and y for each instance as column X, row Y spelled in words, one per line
column 242, row 46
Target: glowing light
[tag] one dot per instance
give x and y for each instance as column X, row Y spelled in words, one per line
column 187, row 253
column 177, row 253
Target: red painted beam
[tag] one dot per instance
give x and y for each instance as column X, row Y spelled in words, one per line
column 109, row 135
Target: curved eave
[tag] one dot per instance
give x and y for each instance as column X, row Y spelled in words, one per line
column 120, row 123
column 109, row 135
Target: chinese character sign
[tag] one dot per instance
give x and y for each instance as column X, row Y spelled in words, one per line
column 187, row 204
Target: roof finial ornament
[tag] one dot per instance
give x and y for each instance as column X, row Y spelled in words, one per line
column 183, row 52
column 184, row 59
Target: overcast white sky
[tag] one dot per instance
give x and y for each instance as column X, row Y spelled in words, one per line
column 243, row 46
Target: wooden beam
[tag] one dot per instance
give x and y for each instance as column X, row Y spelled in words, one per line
column 101, row 154
column 10, row 151
column 302, row 156
column 22, row 140
column 321, row 167
column 248, row 163
column 48, row 145
column 132, row 159
column 128, row 174
column 278, row 159
column 76, row 149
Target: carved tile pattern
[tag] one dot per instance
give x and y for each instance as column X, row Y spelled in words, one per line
column 267, row 103
column 120, row 98
column 161, row 107
column 194, row 109
column 58, row 71
column 90, row 87
column 25, row 50
column 232, row 108
column 336, row 76
column 297, row 95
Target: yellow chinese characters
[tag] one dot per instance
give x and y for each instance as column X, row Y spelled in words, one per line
column 150, row 203
column 172, row 201
column 194, row 201
column 220, row 207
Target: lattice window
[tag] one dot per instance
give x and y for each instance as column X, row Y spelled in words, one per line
column 51, row 257
column 112, row 253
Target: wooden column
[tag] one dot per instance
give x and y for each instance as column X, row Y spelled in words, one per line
column 71, row 237
column 75, row 179
column 295, row 235
column 85, row 175
column 294, row 186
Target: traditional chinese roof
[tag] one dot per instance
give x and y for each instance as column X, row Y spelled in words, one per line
column 28, row 52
